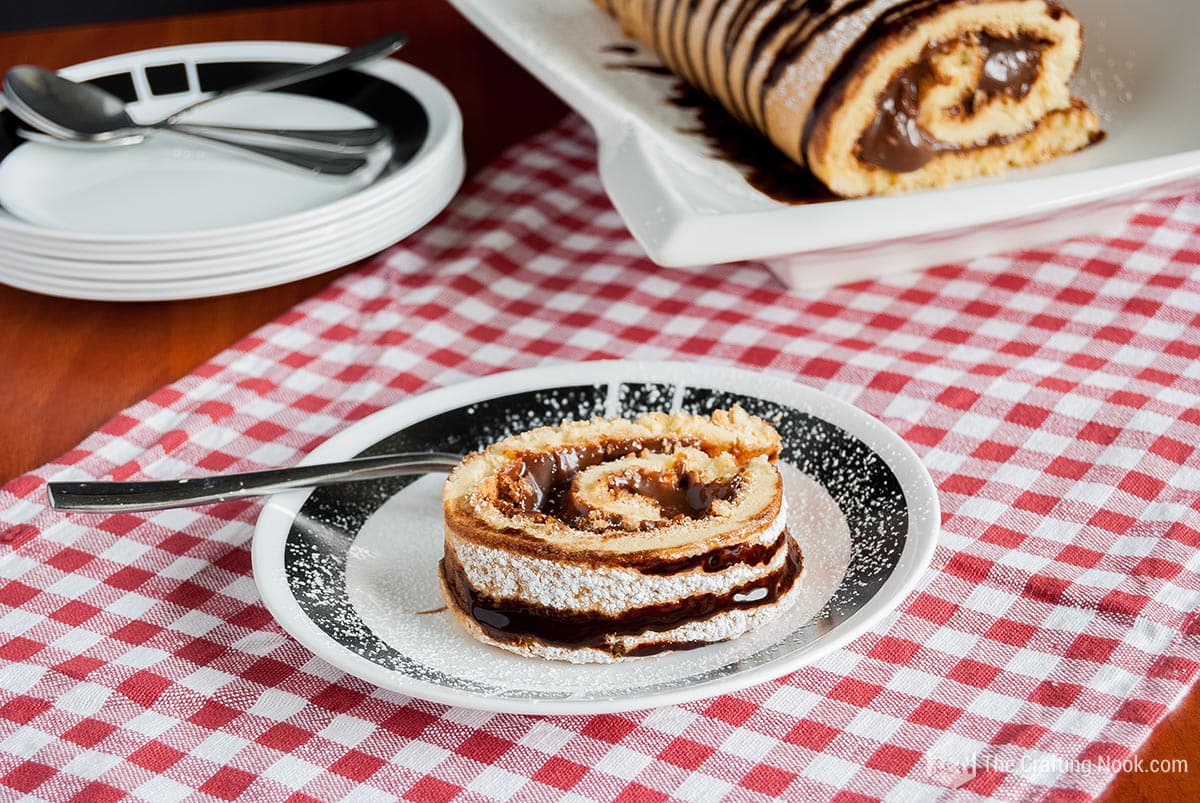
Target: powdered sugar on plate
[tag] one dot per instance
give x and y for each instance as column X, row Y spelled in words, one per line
column 391, row 580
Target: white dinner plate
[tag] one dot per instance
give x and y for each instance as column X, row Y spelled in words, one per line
column 687, row 207
column 172, row 185
column 397, row 217
column 406, row 186
column 351, row 571
column 259, row 239
column 232, row 276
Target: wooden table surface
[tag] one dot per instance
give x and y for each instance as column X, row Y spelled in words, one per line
column 68, row 366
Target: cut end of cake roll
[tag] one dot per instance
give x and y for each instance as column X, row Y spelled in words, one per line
column 947, row 91
column 608, row 539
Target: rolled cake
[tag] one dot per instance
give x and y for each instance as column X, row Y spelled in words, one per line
column 606, row 539
column 882, row 96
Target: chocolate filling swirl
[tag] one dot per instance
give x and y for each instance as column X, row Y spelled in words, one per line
column 544, row 484
column 896, row 140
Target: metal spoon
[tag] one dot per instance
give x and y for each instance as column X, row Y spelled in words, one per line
column 86, row 113
column 100, row 497
column 332, row 164
column 344, row 141
column 338, row 140
column 82, row 112
column 67, row 110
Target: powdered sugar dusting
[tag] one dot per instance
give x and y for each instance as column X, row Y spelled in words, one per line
column 610, row 590
column 820, row 529
column 391, row 578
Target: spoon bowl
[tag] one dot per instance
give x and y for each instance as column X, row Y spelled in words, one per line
column 67, row 110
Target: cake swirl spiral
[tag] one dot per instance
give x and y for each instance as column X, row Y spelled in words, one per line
column 610, row 538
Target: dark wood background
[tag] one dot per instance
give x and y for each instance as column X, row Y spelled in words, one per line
column 21, row 15
column 68, row 366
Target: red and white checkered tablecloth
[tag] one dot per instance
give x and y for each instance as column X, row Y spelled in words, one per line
column 1053, row 394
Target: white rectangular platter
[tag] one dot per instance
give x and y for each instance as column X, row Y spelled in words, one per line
column 689, row 207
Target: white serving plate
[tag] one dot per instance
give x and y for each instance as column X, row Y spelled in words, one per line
column 351, row 571
column 687, row 208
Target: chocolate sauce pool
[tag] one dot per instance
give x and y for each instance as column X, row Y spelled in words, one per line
column 764, row 166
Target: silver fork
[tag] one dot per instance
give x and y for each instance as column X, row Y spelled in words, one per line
column 109, row 497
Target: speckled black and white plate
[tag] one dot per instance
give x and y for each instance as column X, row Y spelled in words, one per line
column 351, row 571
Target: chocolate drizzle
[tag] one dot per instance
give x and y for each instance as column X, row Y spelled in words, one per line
column 797, row 21
column 764, row 166
column 515, row 622
column 821, row 17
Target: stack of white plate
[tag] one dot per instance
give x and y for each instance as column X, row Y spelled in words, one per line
column 172, row 219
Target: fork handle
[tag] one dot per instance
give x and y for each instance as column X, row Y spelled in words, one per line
column 107, row 497
column 335, row 140
column 310, row 161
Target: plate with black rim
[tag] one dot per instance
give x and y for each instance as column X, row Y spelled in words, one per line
column 418, row 112
column 350, row 571
column 168, row 219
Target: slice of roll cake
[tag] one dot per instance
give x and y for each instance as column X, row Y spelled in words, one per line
column 606, row 539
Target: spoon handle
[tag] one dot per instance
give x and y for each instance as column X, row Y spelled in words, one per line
column 102, row 497
column 383, row 46
column 343, row 139
column 307, row 159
